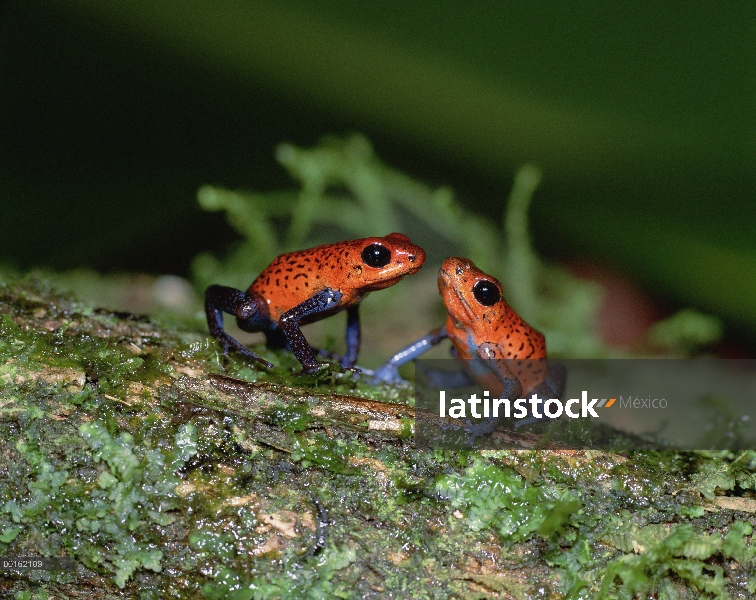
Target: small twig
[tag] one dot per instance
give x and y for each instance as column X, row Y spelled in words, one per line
column 114, row 399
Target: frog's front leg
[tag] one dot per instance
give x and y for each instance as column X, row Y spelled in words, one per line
column 250, row 311
column 325, row 300
column 512, row 389
column 389, row 372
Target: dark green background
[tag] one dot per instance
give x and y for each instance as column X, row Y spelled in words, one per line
column 642, row 117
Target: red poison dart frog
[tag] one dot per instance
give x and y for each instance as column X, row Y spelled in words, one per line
column 309, row 285
column 499, row 349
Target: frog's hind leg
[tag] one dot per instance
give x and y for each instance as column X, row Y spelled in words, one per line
column 251, row 314
column 353, row 337
column 551, row 387
column 555, row 381
column 512, row 389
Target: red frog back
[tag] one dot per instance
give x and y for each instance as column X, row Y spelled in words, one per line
column 345, row 267
column 483, row 327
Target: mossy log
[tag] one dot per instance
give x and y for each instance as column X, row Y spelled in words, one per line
column 166, row 470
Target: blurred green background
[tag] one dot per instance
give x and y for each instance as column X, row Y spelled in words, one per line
column 642, row 117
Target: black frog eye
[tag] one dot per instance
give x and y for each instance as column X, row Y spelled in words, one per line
column 376, row 256
column 486, row 293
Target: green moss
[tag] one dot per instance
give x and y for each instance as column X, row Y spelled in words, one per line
column 312, row 580
column 115, row 510
column 100, row 360
column 324, row 452
column 19, row 349
column 642, row 510
column 604, row 524
column 500, row 499
column 678, row 551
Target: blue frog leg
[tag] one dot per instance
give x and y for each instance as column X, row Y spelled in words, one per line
column 389, row 372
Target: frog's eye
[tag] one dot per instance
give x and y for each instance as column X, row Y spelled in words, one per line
column 376, row 256
column 486, row 293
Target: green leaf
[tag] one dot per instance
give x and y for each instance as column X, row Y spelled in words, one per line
column 9, row 534
column 714, row 474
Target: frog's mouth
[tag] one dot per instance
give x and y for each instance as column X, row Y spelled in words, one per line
column 450, row 292
column 384, row 283
column 411, row 265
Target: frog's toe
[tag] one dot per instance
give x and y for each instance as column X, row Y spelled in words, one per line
column 347, row 362
column 387, row 374
column 262, row 361
column 316, row 367
column 485, row 428
column 229, row 343
column 253, row 356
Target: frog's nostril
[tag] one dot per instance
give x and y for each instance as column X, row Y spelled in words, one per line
column 459, row 271
column 411, row 258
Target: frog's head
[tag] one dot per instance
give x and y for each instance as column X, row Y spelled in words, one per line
column 470, row 295
column 384, row 261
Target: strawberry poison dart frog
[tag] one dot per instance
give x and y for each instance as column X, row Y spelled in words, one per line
column 500, row 351
column 309, row 285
